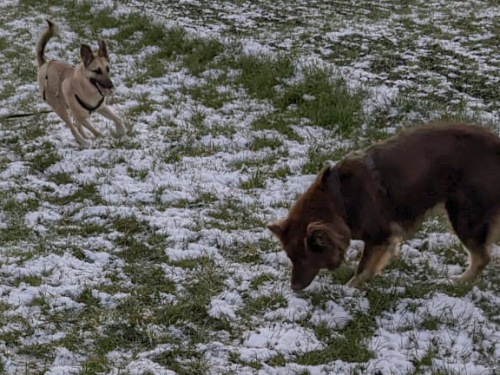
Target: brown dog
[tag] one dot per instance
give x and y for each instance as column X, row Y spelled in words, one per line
column 379, row 195
column 82, row 90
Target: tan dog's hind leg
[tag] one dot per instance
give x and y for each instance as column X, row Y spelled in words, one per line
column 63, row 113
column 109, row 114
column 373, row 261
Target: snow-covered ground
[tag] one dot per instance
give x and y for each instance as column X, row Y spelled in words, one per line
column 149, row 254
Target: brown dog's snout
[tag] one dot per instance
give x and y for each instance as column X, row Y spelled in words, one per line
column 302, row 276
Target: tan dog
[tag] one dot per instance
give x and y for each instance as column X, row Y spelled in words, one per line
column 82, row 90
column 379, row 195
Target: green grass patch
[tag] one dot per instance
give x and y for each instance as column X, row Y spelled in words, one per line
column 260, row 143
column 256, row 180
column 325, row 99
column 202, row 52
column 44, row 158
column 232, row 215
column 60, row 178
column 86, row 192
column 261, row 74
column 319, row 156
column 261, row 304
column 278, row 123
column 208, row 94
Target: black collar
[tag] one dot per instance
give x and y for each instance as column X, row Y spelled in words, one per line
column 86, row 106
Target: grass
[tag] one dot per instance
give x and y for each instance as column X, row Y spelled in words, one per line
column 325, row 100
column 260, row 75
column 255, row 181
column 278, row 123
column 262, row 143
column 319, row 156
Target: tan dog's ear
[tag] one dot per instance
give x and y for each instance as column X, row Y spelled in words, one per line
column 103, row 50
column 86, row 54
column 277, row 228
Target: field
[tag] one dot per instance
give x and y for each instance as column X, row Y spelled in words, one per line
column 149, row 254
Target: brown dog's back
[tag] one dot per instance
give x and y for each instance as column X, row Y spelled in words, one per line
column 427, row 166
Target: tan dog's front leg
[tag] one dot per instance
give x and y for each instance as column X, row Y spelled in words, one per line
column 81, row 131
column 85, row 122
column 109, row 114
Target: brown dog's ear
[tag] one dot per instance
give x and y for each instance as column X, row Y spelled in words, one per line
column 323, row 241
column 86, row 54
column 103, row 50
column 277, row 228
column 319, row 237
column 325, row 174
column 322, row 236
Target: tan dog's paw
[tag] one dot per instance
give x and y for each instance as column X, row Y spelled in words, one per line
column 85, row 143
column 465, row 278
column 119, row 132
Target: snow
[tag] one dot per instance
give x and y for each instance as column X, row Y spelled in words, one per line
column 266, row 342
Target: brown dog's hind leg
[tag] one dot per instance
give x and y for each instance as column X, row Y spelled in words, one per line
column 478, row 259
column 373, row 261
column 475, row 228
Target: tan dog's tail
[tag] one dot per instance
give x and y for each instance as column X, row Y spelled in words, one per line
column 51, row 31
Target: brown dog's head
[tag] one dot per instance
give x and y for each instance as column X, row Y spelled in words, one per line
column 314, row 235
column 97, row 67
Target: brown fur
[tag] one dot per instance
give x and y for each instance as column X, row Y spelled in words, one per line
column 456, row 165
column 61, row 86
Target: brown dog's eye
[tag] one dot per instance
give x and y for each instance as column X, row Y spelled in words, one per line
column 98, row 71
column 107, row 69
column 315, row 245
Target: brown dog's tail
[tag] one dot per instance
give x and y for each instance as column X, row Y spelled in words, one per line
column 51, row 31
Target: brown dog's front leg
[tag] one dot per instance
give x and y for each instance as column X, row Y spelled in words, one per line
column 373, row 261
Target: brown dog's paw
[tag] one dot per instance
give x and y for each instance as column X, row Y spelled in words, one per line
column 355, row 282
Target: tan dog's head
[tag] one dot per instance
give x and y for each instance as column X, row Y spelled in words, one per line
column 314, row 235
column 97, row 68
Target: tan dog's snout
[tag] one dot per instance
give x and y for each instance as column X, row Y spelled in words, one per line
column 105, row 85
